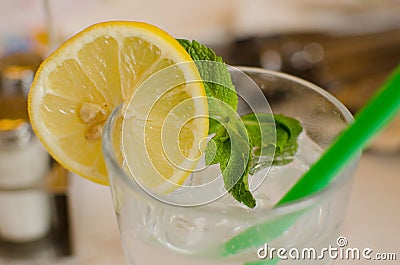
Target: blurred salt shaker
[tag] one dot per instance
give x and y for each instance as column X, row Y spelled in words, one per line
column 25, row 206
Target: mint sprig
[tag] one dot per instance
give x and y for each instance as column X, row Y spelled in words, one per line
column 239, row 144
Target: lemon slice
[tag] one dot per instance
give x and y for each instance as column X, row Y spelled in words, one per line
column 78, row 86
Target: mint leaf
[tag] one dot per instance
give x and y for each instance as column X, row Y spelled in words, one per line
column 230, row 148
column 287, row 132
column 217, row 80
column 240, row 191
column 261, row 130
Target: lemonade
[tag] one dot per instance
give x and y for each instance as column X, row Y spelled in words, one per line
column 124, row 104
column 155, row 230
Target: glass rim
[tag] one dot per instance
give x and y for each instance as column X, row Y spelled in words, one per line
column 302, row 203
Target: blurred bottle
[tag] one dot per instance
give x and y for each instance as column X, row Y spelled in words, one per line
column 25, row 206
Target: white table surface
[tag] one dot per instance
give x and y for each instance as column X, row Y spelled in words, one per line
column 372, row 221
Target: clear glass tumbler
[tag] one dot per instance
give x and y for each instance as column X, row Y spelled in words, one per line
column 224, row 232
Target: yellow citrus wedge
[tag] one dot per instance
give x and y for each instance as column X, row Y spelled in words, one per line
column 78, row 86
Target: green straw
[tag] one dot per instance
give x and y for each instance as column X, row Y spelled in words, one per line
column 368, row 122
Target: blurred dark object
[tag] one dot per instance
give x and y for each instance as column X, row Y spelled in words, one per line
column 16, row 74
column 349, row 67
column 17, row 71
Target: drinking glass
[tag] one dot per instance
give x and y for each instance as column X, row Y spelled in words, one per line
column 224, row 232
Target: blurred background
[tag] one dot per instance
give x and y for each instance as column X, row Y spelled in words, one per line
column 347, row 47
